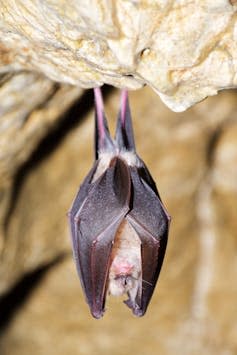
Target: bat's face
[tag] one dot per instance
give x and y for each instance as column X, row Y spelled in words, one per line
column 125, row 272
column 119, row 226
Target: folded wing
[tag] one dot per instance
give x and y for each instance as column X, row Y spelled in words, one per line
column 95, row 227
column 151, row 221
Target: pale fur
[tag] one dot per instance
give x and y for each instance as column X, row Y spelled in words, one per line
column 105, row 158
column 126, row 262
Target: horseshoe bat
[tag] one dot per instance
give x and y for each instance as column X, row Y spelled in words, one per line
column 119, row 226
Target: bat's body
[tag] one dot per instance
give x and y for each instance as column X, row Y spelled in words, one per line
column 119, row 226
column 125, row 274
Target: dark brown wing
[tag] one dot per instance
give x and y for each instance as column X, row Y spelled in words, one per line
column 96, row 223
column 150, row 220
column 77, row 204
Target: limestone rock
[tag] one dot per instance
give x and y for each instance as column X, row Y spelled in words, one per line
column 185, row 50
column 31, row 107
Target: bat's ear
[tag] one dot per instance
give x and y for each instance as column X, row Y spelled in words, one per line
column 103, row 141
column 124, row 131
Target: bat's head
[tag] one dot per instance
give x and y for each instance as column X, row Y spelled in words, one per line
column 125, row 273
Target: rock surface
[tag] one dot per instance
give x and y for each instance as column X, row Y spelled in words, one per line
column 185, row 50
column 30, row 107
column 192, row 157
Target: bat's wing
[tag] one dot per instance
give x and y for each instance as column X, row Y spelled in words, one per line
column 95, row 226
column 76, row 207
column 151, row 221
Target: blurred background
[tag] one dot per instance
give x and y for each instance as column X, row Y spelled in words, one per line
column 46, row 150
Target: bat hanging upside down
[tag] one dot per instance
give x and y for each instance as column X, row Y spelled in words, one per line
column 118, row 223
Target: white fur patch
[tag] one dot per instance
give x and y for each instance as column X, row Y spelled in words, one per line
column 105, row 158
column 131, row 158
column 104, row 161
column 125, row 274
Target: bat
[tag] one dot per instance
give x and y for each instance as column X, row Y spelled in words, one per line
column 119, row 226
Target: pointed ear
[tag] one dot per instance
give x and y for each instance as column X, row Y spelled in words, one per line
column 103, row 141
column 124, row 130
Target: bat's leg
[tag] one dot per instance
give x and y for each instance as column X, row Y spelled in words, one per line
column 124, row 131
column 103, row 141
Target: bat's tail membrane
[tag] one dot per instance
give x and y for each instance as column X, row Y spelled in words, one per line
column 124, row 131
column 103, row 141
